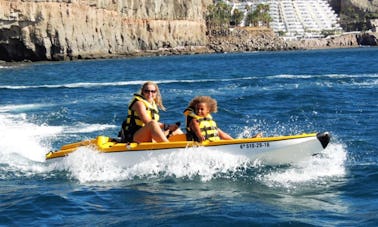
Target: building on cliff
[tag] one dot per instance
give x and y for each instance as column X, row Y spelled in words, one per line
column 296, row 18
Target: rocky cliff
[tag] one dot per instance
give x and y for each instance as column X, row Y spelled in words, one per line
column 78, row 29
column 75, row 29
column 355, row 15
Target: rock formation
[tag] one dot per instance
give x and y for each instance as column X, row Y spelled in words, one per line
column 355, row 15
column 247, row 39
column 75, row 29
column 79, row 29
column 252, row 39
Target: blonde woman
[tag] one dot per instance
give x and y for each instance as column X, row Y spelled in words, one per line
column 142, row 122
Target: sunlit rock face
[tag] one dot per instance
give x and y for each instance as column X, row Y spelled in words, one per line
column 73, row 29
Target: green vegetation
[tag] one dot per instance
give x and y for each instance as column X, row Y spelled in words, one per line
column 326, row 33
column 281, row 33
column 259, row 17
column 236, row 17
column 220, row 17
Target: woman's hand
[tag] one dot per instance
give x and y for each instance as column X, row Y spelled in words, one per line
column 172, row 127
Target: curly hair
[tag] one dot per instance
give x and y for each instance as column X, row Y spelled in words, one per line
column 210, row 102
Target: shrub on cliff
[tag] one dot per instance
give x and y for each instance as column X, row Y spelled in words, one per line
column 259, row 16
column 218, row 16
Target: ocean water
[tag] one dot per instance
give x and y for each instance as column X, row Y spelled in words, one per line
column 46, row 105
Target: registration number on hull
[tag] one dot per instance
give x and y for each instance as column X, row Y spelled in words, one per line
column 254, row 145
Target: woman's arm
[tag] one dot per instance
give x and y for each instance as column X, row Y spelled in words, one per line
column 223, row 135
column 140, row 108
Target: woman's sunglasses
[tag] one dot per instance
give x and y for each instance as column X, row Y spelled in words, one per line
column 148, row 91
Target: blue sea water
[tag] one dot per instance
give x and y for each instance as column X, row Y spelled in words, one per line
column 46, row 105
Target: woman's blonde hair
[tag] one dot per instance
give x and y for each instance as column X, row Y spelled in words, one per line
column 158, row 100
column 210, row 102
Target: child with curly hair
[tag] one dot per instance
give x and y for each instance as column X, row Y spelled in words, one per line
column 200, row 125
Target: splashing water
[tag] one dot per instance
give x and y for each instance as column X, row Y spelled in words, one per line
column 27, row 140
column 329, row 164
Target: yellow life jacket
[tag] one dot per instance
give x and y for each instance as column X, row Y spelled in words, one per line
column 133, row 122
column 207, row 126
column 189, row 114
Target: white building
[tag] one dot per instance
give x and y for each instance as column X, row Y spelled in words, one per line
column 295, row 18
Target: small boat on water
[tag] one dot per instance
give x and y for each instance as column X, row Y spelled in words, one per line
column 269, row 150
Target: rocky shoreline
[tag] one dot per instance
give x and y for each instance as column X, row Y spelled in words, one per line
column 57, row 30
column 244, row 40
column 249, row 40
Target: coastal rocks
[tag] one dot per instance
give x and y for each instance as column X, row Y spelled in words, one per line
column 368, row 39
column 247, row 39
column 77, row 29
column 348, row 40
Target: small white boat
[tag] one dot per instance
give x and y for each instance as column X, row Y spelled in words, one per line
column 268, row 150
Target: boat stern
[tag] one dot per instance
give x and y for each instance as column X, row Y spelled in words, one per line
column 324, row 138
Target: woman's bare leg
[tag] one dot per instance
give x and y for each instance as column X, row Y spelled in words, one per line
column 151, row 131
